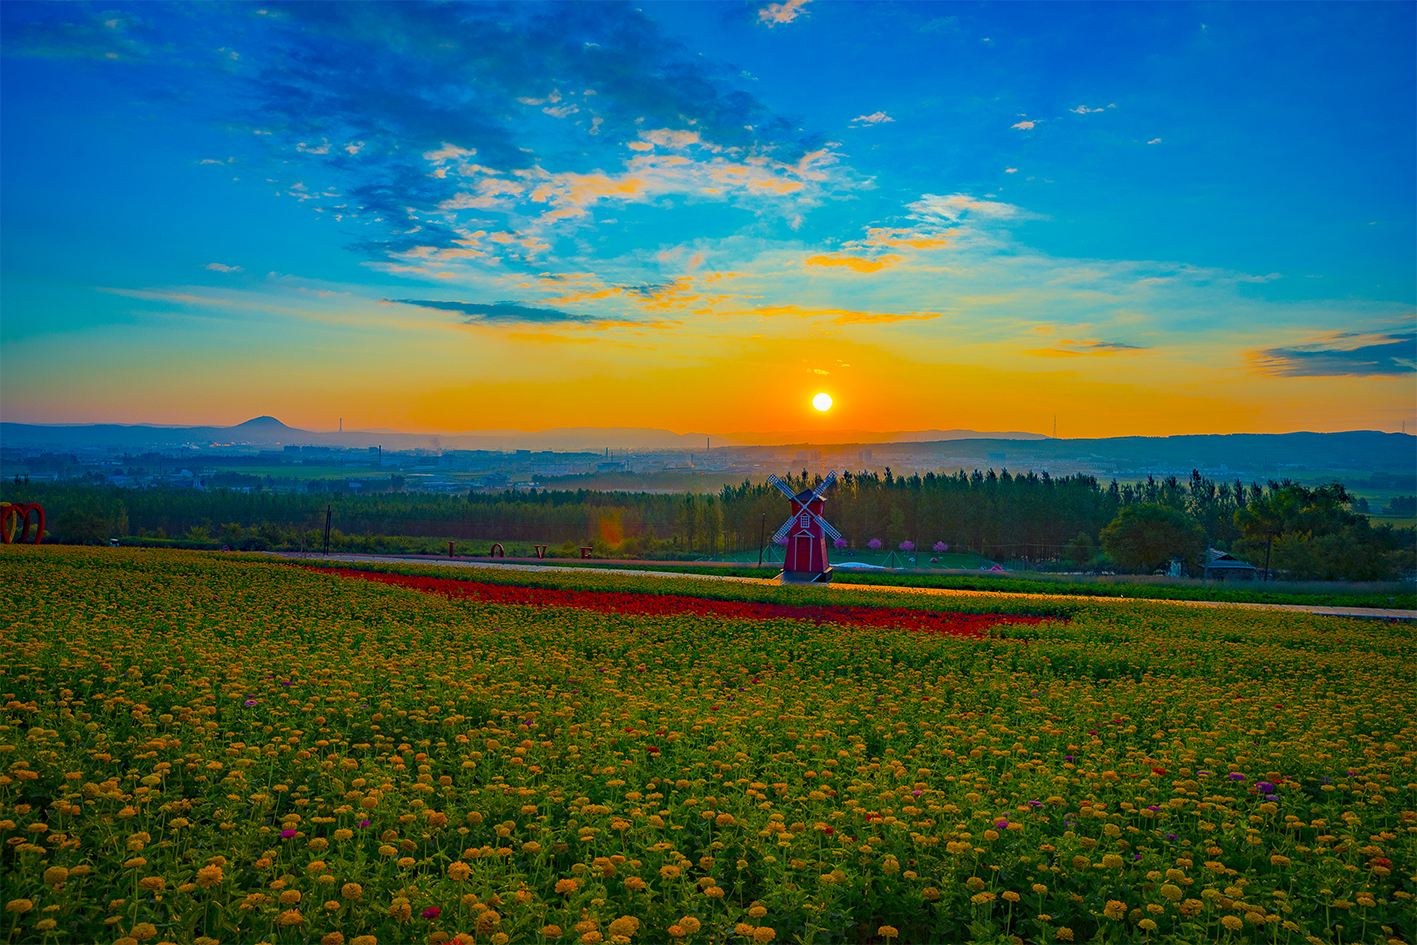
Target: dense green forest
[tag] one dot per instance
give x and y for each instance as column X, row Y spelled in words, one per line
column 1304, row 533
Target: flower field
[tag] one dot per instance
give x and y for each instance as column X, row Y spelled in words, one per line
column 209, row 748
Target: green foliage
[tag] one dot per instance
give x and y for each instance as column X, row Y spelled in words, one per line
column 1145, row 537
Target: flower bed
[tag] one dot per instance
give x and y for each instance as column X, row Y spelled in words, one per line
column 926, row 621
column 201, row 748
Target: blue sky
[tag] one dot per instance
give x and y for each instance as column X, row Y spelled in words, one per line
column 1142, row 217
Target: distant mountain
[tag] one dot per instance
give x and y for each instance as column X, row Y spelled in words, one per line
column 268, row 432
column 1267, row 452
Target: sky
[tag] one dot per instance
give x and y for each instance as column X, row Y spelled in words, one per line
column 1099, row 219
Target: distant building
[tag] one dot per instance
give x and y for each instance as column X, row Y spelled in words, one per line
column 863, row 457
column 1226, row 567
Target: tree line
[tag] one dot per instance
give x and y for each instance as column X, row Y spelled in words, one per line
column 1071, row 520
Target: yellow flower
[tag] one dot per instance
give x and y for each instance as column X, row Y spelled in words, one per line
column 567, row 886
column 143, row 931
column 19, row 905
column 44, row 925
column 1277, row 860
column 677, row 931
column 625, row 925
column 1147, row 924
column 888, row 932
column 1115, row 910
column 1111, row 861
column 757, row 912
column 351, row 890
column 387, row 850
column 290, row 917
column 334, row 938
column 1172, row 892
column 762, row 935
column 669, row 872
column 1064, row 934
column 725, row 820
column 634, row 884
column 364, row 940
column 551, row 931
column 55, row 875
column 289, row 897
column 931, row 893
column 1233, row 923
column 488, row 922
column 152, row 883
column 689, row 924
column 459, row 871
column 1040, row 889
column 209, row 876
column 343, row 834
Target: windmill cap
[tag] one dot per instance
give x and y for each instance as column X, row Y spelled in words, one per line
column 805, row 496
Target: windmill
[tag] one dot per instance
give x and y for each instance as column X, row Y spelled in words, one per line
column 805, row 533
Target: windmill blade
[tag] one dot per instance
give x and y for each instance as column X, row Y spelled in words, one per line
column 827, row 527
column 826, row 484
column 782, row 486
column 781, row 533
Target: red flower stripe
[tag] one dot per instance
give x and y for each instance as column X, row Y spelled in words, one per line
column 616, row 602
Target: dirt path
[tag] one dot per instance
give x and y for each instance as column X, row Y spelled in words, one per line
column 1368, row 612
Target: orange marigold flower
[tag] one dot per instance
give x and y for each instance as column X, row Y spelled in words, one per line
column 209, row 876
column 152, row 883
column 143, row 931
column 762, row 935
column 55, row 875
column 290, row 917
column 351, row 890
column 888, row 932
column 334, row 938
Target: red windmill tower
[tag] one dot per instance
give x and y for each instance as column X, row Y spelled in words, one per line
column 805, row 533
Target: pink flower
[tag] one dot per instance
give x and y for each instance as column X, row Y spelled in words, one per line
column 432, row 912
column 941, row 546
column 874, row 544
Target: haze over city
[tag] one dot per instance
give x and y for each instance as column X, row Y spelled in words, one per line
column 1099, row 220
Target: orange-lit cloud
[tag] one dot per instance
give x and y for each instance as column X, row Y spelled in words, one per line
column 775, row 14
column 856, row 263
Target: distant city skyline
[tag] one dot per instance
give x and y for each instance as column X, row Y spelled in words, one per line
column 1145, row 219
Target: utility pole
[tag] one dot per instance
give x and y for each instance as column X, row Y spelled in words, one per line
column 328, row 514
column 762, row 538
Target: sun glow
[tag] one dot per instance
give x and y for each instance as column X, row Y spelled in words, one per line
column 822, row 402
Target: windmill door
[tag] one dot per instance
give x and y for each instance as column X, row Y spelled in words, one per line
column 804, row 552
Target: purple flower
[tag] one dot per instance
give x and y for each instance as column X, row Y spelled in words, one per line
column 432, row 912
column 1069, row 758
column 1236, row 776
column 1001, row 824
column 1204, row 774
column 839, row 543
column 941, row 546
column 917, row 793
column 249, row 702
column 907, row 546
column 287, row 834
column 1265, row 786
column 1271, row 797
column 364, row 823
column 874, row 544
column 1171, row 836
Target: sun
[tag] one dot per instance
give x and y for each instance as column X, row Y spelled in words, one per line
column 822, row 402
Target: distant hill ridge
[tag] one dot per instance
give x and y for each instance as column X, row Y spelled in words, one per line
column 1350, row 449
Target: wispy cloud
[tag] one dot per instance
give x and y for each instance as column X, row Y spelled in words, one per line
column 1074, row 349
column 1336, row 356
column 218, row 267
column 500, row 312
column 776, row 13
column 875, row 118
column 956, row 207
column 1024, row 125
